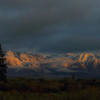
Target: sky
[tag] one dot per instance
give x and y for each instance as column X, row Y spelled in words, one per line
column 50, row 25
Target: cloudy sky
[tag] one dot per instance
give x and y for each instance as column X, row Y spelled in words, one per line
column 50, row 25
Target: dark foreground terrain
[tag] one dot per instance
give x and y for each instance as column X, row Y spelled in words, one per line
column 51, row 89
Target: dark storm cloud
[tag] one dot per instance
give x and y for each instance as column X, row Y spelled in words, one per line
column 50, row 24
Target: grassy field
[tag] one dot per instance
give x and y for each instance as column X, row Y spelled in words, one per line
column 40, row 89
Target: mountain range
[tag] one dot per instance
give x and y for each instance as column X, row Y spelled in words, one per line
column 85, row 64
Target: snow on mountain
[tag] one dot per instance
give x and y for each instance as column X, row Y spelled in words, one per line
column 89, row 61
column 48, row 63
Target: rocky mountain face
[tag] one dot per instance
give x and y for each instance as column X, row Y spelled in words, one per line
column 89, row 61
column 49, row 63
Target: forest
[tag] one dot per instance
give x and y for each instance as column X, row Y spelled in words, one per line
column 51, row 89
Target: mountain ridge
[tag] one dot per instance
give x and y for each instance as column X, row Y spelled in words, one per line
column 65, row 61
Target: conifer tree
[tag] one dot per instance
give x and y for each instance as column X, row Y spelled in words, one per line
column 3, row 66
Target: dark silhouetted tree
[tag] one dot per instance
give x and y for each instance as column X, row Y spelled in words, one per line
column 3, row 66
